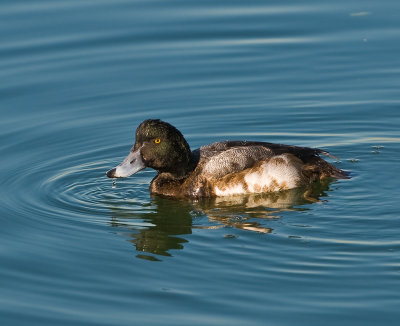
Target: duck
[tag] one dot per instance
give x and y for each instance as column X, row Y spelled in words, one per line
column 225, row 168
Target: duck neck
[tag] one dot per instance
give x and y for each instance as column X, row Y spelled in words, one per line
column 178, row 165
column 168, row 183
column 181, row 170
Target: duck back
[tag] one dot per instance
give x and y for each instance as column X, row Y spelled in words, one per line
column 240, row 167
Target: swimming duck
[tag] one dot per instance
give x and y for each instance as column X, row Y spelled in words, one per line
column 222, row 168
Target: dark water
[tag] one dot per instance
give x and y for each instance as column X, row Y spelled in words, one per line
column 77, row 77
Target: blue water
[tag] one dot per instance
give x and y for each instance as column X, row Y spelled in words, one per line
column 77, row 77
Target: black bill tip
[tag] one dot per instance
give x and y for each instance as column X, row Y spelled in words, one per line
column 111, row 173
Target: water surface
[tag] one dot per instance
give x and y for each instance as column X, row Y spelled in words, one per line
column 77, row 77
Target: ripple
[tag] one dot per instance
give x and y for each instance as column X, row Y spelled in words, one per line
column 85, row 189
column 76, row 189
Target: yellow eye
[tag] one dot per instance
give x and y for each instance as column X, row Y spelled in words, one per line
column 157, row 140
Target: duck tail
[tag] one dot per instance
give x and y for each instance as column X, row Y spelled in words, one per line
column 331, row 170
column 325, row 153
column 318, row 168
column 338, row 173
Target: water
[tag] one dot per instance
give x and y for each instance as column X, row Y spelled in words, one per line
column 77, row 77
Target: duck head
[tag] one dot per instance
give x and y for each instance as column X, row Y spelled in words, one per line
column 158, row 145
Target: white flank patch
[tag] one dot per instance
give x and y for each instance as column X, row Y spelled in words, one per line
column 280, row 172
column 274, row 176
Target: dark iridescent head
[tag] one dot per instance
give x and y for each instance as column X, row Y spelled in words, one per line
column 158, row 145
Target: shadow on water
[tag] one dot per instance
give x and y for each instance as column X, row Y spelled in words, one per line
column 162, row 228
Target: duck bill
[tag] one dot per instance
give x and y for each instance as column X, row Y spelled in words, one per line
column 130, row 165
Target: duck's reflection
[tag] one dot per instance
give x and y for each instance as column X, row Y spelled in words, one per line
column 158, row 228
